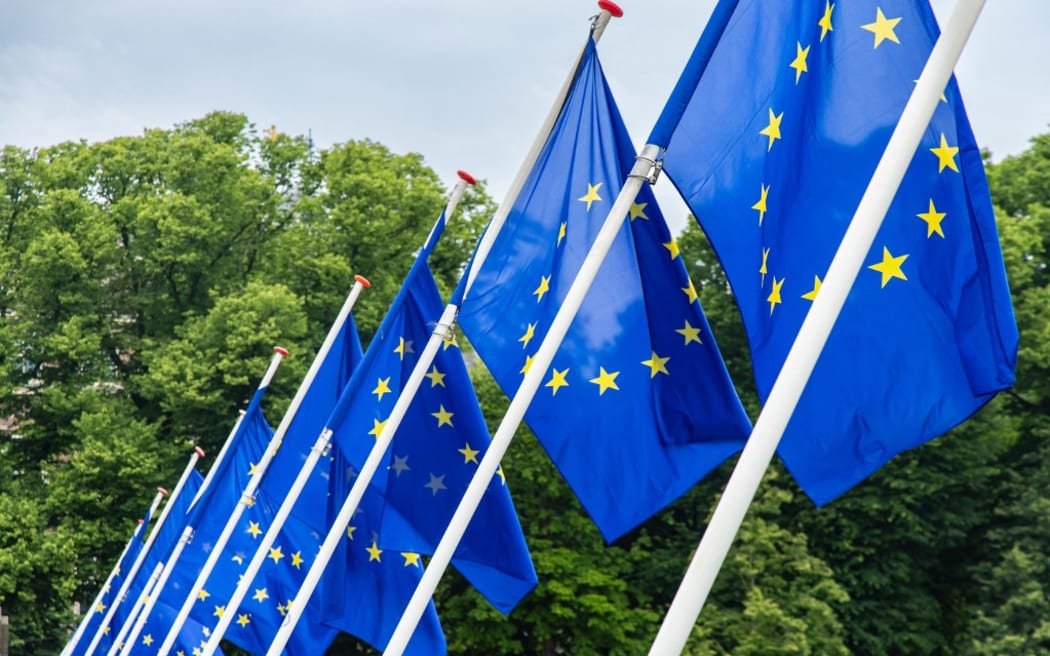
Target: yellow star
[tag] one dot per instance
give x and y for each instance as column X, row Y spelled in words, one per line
column 638, row 211
column 203, row 594
column 382, row 387
column 443, row 416
column 761, row 204
column 774, row 296
column 260, row 595
column 219, row 610
column 690, row 333
column 933, row 220
column 403, row 347
column 530, row 332
column 592, row 195
column 799, row 63
column 436, row 377
column 812, row 295
column 557, row 380
column 543, row 288
column 469, row 454
column 243, row 620
column 197, row 651
column 147, row 639
column 254, row 530
column 502, row 476
column 449, row 340
column 525, row 367
column 945, row 155
column 690, row 291
column 825, row 20
column 672, row 246
column 180, row 653
column 373, row 552
column 350, row 531
column 411, row 559
column 657, row 365
column 882, row 28
column 297, row 560
column 561, row 233
column 890, row 267
column 773, row 129
column 100, row 608
column 377, row 428
column 762, row 269
column 237, row 558
column 605, row 380
column 282, row 609
column 252, row 469
column 275, row 554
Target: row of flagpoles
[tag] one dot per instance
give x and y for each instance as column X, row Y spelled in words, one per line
column 282, row 545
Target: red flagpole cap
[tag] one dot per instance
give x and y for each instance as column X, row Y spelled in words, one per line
column 611, row 7
column 364, row 281
column 162, row 491
column 199, row 451
column 466, row 177
column 281, row 350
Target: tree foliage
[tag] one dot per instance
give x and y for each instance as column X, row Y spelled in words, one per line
column 144, row 280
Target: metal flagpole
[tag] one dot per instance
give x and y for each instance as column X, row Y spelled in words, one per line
column 319, row 449
column 248, row 495
column 119, row 644
column 279, row 353
column 441, row 330
column 79, row 633
column 797, row 367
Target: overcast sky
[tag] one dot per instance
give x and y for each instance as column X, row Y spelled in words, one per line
column 465, row 83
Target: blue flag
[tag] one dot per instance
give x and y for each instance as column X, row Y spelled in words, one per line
column 637, row 405
column 435, row 451
column 772, row 135
column 365, row 588
column 208, row 517
column 289, row 558
column 109, row 593
column 156, row 628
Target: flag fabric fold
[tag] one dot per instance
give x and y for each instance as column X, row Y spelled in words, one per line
column 637, row 405
column 771, row 135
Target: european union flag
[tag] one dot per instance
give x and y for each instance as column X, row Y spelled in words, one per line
column 435, row 450
column 208, row 517
column 156, row 628
column 366, row 588
column 109, row 592
column 637, row 405
column 289, row 558
column 772, row 135
column 263, row 611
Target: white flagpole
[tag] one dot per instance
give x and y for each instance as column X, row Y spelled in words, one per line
column 643, row 168
column 248, row 495
column 119, row 644
column 279, row 353
column 797, row 367
column 320, row 448
column 442, row 329
column 79, row 633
